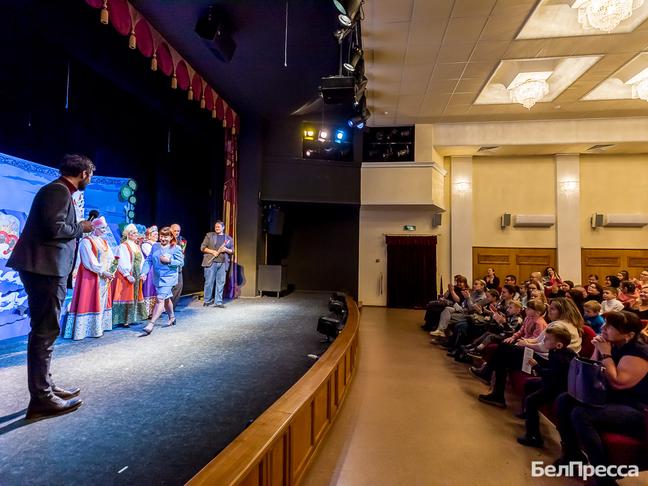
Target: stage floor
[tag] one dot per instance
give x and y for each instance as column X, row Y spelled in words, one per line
column 157, row 409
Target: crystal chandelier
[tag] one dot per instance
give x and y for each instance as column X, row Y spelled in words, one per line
column 529, row 92
column 640, row 89
column 604, row 15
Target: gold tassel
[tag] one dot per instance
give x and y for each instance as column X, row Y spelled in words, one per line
column 190, row 93
column 132, row 40
column 213, row 112
column 104, row 17
column 233, row 130
column 203, row 103
column 174, row 81
column 224, row 123
column 154, row 62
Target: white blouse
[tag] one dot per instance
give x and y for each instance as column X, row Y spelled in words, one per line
column 125, row 265
column 88, row 258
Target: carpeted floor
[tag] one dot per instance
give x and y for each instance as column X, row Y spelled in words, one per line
column 159, row 408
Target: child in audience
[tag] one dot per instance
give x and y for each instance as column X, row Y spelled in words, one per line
column 628, row 293
column 552, row 382
column 610, row 302
column 502, row 327
column 534, row 322
column 593, row 317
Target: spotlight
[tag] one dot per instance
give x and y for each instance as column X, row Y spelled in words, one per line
column 323, row 135
column 308, row 153
column 339, row 136
column 354, row 121
column 309, row 134
column 348, row 10
column 351, row 64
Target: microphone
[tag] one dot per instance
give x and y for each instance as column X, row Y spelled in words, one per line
column 93, row 214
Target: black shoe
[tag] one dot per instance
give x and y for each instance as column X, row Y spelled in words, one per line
column 452, row 353
column 568, row 456
column 65, row 394
column 207, row 304
column 530, row 441
column 480, row 375
column 171, row 323
column 51, row 406
column 462, row 358
column 492, row 399
column 220, row 306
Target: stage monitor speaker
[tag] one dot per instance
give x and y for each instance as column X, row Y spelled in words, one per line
column 215, row 29
column 436, row 219
column 330, row 325
column 597, row 220
column 338, row 89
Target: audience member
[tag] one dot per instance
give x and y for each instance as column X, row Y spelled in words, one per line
column 562, row 312
column 492, row 280
column 593, row 278
column 592, row 315
column 610, row 302
column 612, row 281
column 624, row 354
column 640, row 306
column 534, row 322
column 470, row 298
column 594, row 292
column 628, row 293
column 502, row 326
column 552, row 382
column 550, row 277
column 623, row 275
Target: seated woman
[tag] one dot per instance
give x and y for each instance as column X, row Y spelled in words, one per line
column 550, row 277
column 492, row 280
column 640, row 306
column 562, row 312
column 612, row 281
column 628, row 293
column 166, row 258
column 624, row 354
column 595, row 292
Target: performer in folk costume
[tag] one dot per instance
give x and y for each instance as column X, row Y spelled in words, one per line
column 128, row 301
column 148, row 287
column 166, row 259
column 90, row 313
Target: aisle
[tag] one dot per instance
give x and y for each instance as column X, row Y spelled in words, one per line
column 412, row 418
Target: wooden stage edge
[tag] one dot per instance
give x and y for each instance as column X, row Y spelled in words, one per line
column 277, row 448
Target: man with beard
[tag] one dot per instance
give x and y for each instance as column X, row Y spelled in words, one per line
column 44, row 258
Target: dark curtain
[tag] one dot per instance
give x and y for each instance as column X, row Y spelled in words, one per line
column 411, row 271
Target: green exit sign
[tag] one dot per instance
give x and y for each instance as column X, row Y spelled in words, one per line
column 409, row 227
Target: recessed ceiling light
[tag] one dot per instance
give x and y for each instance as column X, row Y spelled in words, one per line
column 386, row 113
column 557, row 107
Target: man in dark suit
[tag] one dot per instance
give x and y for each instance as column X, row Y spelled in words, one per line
column 44, row 258
column 217, row 248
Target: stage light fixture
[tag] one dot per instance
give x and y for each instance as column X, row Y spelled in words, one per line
column 348, row 10
column 309, row 153
column 323, row 135
column 309, row 134
column 339, row 136
column 355, row 57
column 354, row 120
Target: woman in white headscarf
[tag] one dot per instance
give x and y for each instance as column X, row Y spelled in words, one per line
column 128, row 300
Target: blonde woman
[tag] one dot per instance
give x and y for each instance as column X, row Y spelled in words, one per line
column 128, row 300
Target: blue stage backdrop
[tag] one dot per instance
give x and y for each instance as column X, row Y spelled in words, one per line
column 19, row 182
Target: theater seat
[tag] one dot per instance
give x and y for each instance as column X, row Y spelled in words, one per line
column 587, row 348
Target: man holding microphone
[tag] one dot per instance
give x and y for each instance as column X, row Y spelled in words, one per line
column 217, row 248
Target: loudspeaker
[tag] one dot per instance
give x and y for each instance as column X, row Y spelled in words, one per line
column 214, row 28
column 506, row 220
column 597, row 220
column 436, row 219
column 330, row 326
column 274, row 222
column 338, row 89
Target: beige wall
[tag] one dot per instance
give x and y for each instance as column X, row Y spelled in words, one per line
column 375, row 222
column 613, row 184
column 522, row 185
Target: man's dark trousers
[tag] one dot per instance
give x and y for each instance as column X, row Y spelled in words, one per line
column 45, row 295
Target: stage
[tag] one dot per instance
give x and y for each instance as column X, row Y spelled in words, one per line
column 157, row 409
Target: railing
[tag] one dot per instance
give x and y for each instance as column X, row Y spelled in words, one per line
column 277, row 447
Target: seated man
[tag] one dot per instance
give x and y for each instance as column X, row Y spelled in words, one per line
column 471, row 298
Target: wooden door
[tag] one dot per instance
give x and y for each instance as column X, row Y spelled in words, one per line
column 516, row 261
column 604, row 262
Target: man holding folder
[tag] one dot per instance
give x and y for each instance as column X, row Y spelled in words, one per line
column 217, row 248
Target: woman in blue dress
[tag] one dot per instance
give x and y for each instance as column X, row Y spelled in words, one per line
column 166, row 258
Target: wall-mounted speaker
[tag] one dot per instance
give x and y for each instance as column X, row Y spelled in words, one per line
column 596, row 220
column 436, row 219
column 213, row 26
column 505, row 220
